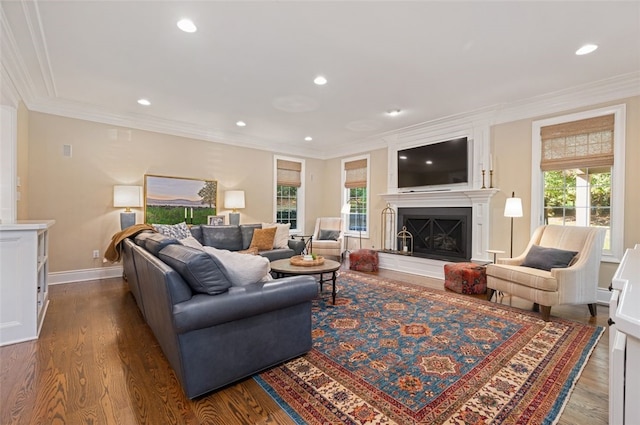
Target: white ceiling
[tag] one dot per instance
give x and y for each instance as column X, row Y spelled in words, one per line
column 256, row 61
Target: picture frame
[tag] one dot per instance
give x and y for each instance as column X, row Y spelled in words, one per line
column 215, row 220
column 172, row 200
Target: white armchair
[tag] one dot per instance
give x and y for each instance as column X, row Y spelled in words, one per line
column 327, row 227
column 575, row 284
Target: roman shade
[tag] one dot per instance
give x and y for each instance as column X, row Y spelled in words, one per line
column 356, row 174
column 578, row 144
column 289, row 173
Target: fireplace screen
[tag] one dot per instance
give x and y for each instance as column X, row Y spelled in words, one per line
column 439, row 233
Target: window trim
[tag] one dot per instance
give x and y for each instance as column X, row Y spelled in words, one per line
column 300, row 216
column 617, row 173
column 345, row 194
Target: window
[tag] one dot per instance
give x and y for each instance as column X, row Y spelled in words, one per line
column 356, row 193
column 577, row 181
column 289, row 193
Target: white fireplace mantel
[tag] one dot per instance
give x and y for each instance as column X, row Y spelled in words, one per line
column 477, row 199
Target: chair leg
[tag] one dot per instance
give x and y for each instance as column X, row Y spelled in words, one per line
column 536, row 307
column 490, row 293
column 545, row 311
column 593, row 309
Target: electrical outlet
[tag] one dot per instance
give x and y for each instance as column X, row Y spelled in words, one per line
column 96, row 253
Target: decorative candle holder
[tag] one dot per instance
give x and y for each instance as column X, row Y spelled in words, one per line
column 483, row 186
column 405, row 239
column 490, row 179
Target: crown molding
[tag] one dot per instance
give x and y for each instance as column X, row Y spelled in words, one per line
column 34, row 25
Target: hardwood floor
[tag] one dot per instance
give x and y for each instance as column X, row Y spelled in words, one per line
column 96, row 362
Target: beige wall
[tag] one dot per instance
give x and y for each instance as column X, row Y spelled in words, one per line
column 23, row 161
column 77, row 191
column 511, row 145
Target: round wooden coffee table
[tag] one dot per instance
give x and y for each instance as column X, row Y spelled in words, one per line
column 284, row 268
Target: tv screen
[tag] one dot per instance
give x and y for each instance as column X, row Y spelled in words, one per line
column 442, row 163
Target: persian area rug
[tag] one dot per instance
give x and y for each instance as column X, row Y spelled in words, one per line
column 395, row 353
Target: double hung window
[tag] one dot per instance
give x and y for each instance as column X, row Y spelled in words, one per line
column 289, row 196
column 356, row 194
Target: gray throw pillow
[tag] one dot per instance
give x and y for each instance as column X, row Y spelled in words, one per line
column 544, row 258
column 328, row 235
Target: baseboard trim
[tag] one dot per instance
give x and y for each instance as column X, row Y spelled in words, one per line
column 56, row 278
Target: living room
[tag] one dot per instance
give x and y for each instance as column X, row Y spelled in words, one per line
column 74, row 187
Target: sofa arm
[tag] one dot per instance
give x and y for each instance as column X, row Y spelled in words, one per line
column 203, row 311
column 297, row 245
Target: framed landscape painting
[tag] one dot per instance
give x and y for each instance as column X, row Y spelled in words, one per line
column 171, row 200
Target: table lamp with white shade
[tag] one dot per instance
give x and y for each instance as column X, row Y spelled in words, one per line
column 234, row 199
column 127, row 197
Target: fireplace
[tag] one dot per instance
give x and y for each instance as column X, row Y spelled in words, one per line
column 438, row 233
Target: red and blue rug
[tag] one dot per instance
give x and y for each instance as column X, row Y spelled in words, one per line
column 394, row 353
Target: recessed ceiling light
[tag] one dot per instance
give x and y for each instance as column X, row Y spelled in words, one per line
column 320, row 80
column 586, row 49
column 394, row 112
column 429, row 162
column 402, row 157
column 144, row 102
column 187, row 25
column 241, row 124
column 308, row 138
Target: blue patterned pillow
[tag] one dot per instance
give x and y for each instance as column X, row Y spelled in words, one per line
column 178, row 231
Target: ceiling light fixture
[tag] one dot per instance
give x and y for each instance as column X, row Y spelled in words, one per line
column 394, row 112
column 187, row 25
column 144, row 102
column 402, row 157
column 429, row 162
column 241, row 124
column 320, row 80
column 586, row 49
column 308, row 138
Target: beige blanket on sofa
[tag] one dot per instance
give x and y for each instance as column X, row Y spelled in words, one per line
column 114, row 250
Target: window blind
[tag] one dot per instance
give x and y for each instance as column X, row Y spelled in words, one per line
column 578, row 144
column 289, row 173
column 356, row 174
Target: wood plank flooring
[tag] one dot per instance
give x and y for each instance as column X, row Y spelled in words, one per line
column 97, row 362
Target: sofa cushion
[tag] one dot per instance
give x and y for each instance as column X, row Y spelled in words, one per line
column 241, row 269
column 192, row 242
column 141, row 238
column 203, row 273
column 222, row 237
column 157, row 241
column 247, row 234
column 177, row 231
column 263, row 239
column 282, row 234
column 196, row 232
column 544, row 258
column 328, row 235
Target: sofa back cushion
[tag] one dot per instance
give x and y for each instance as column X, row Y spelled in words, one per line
column 141, row 238
column 222, row 237
column 155, row 242
column 202, row 272
column 247, row 233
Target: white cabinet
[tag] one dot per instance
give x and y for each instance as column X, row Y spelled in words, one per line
column 624, row 341
column 24, row 266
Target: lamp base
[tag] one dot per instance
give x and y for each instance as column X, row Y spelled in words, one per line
column 127, row 219
column 234, row 219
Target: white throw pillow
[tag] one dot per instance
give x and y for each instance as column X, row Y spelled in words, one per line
column 281, row 239
column 191, row 242
column 242, row 269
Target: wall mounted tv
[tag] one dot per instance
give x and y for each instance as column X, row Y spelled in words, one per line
column 436, row 164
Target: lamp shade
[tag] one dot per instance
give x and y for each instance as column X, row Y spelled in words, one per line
column 513, row 207
column 127, row 196
column 234, row 199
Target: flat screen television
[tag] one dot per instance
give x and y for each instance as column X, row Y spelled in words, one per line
column 436, row 164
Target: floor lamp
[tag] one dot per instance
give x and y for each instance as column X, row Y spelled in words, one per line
column 512, row 208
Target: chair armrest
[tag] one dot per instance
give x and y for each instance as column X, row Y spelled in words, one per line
column 297, row 245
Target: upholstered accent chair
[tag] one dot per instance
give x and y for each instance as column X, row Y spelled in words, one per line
column 327, row 237
column 547, row 273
